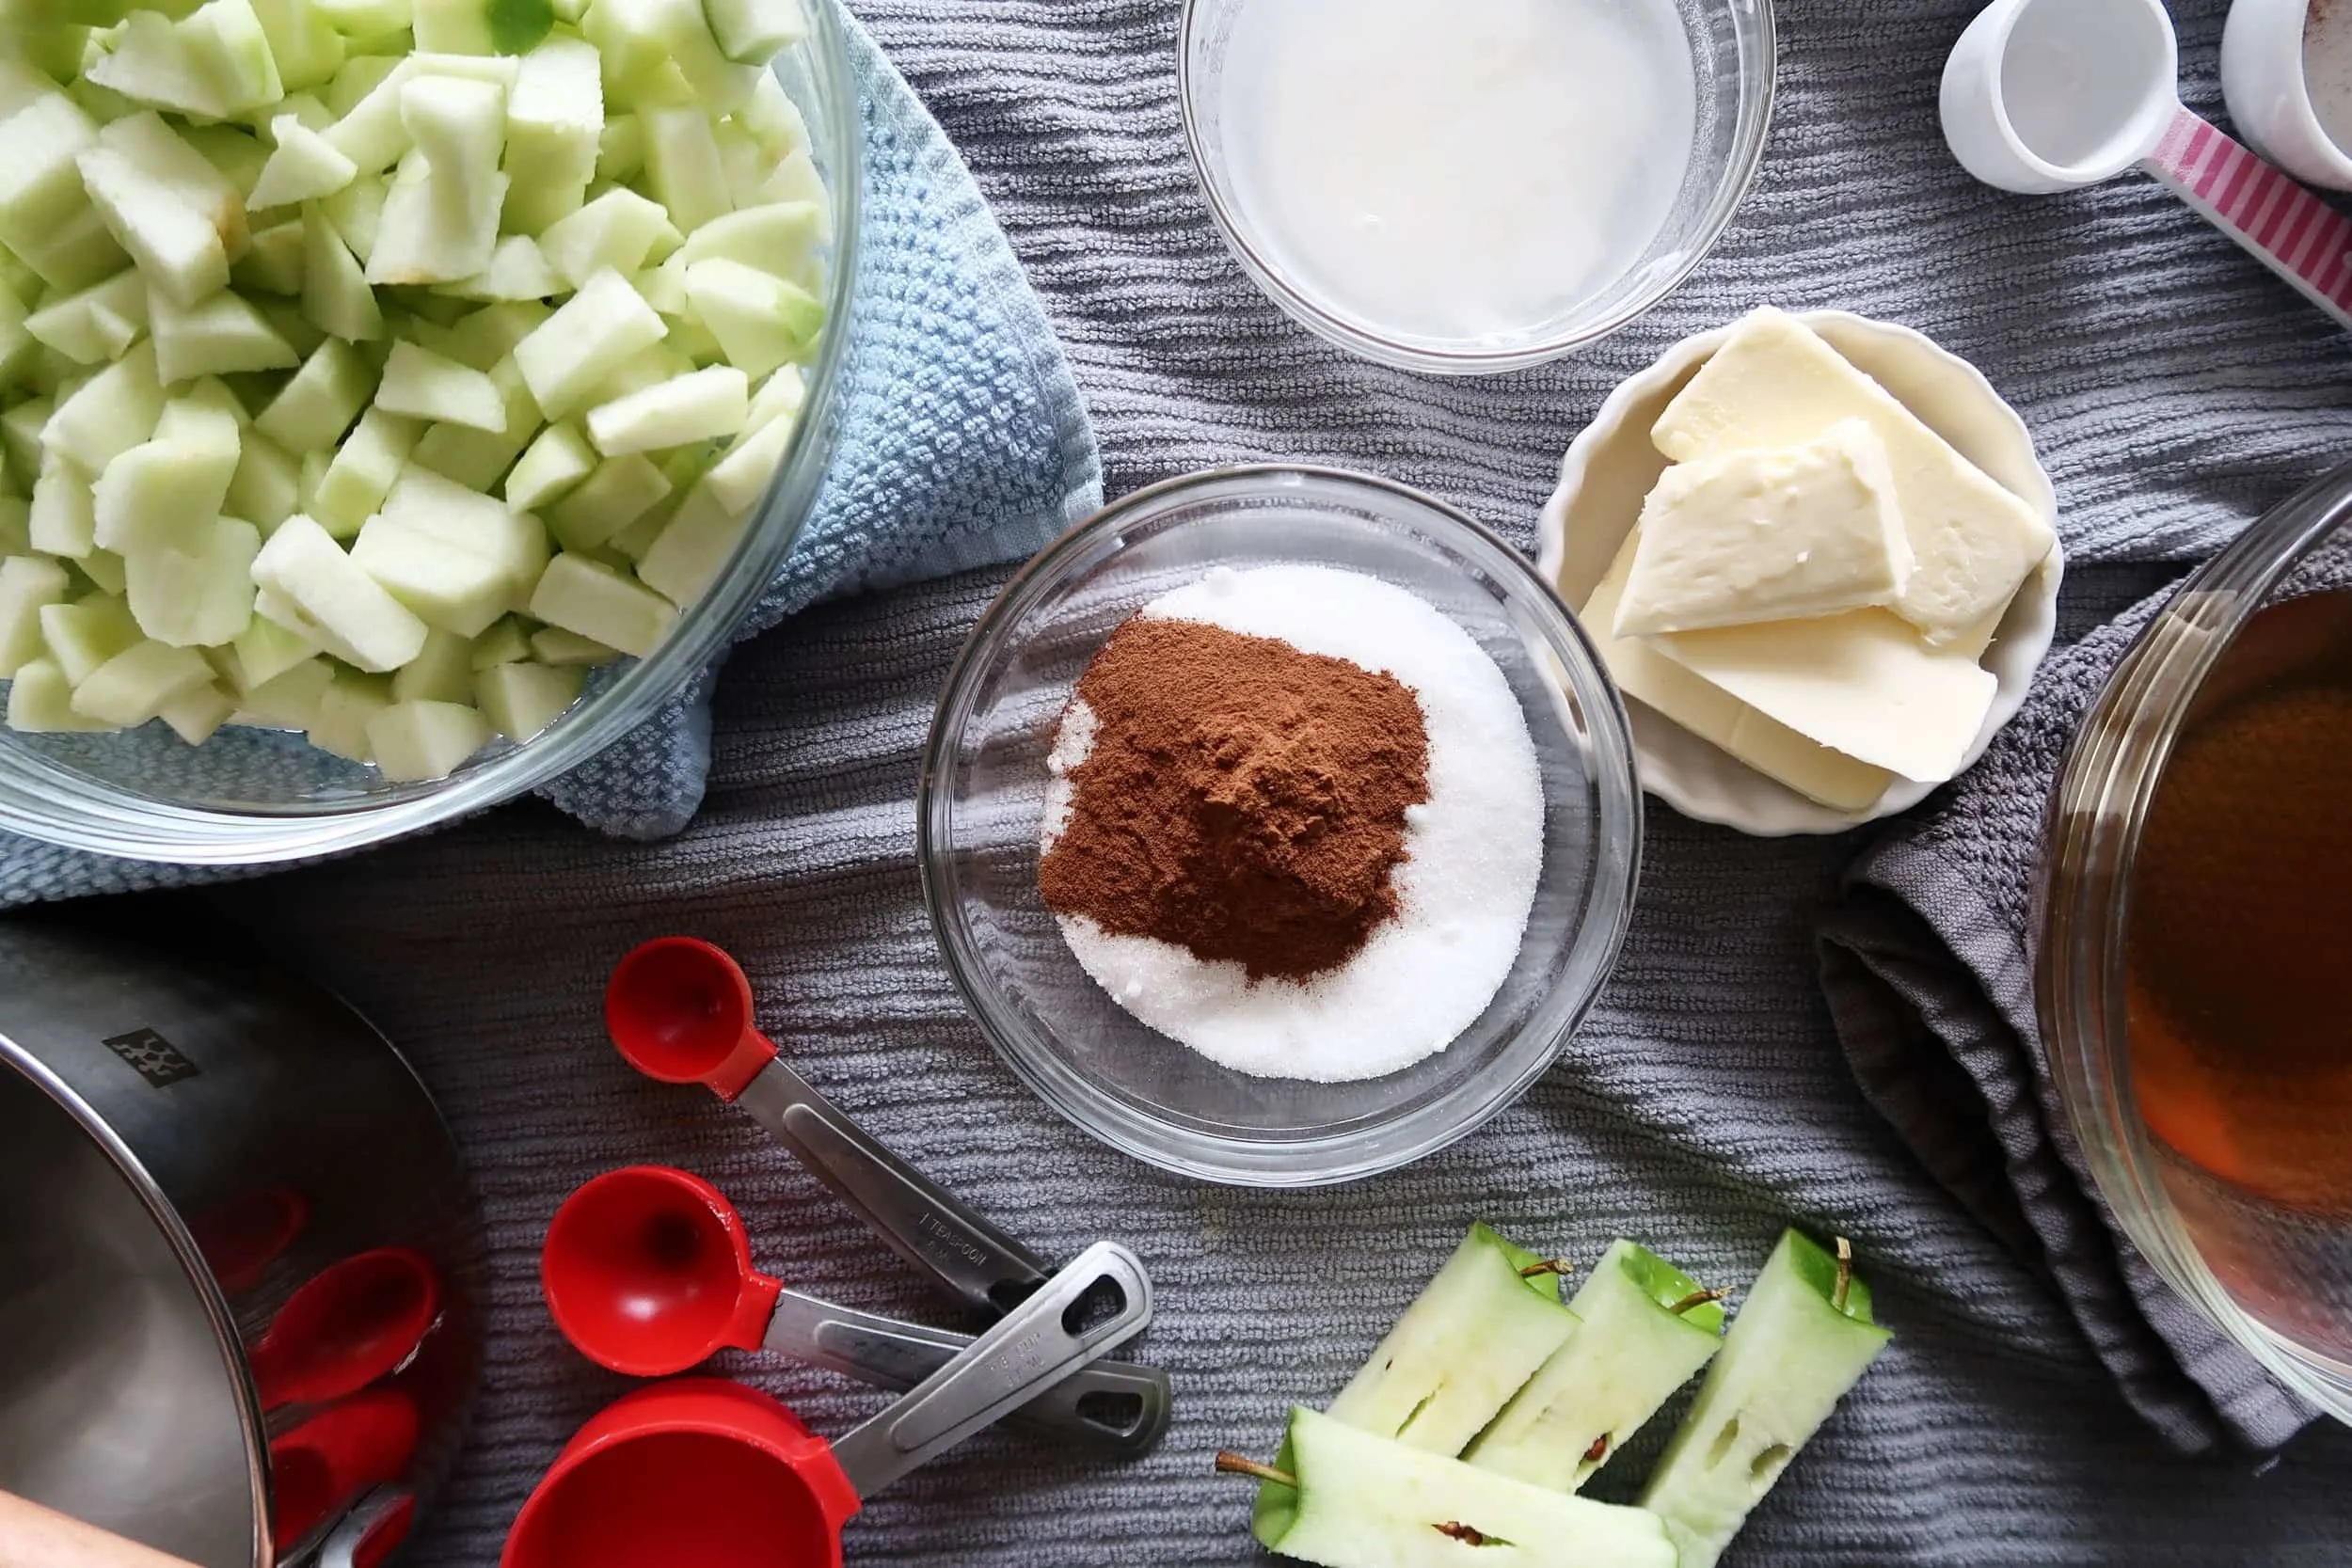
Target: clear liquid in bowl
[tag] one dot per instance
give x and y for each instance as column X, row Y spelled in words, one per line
column 2239, row 963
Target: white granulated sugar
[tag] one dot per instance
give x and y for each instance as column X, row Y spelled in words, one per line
column 1474, row 849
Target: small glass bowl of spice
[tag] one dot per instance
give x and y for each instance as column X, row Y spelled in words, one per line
column 1279, row 825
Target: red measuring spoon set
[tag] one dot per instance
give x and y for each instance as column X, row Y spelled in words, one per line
column 649, row 1270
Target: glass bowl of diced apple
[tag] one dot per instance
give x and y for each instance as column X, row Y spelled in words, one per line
column 401, row 400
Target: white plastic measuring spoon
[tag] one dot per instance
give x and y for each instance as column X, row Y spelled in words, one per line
column 2052, row 95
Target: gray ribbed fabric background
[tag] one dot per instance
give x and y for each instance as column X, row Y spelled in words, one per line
column 2176, row 390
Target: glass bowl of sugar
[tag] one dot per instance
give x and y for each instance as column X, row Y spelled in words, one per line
column 1513, row 873
column 1467, row 189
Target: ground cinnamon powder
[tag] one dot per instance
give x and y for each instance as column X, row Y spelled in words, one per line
column 1243, row 798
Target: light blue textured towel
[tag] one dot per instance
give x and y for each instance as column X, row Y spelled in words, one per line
column 963, row 443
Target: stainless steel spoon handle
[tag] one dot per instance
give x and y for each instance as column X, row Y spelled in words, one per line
column 1038, row 1344
column 1111, row 1404
column 980, row 1265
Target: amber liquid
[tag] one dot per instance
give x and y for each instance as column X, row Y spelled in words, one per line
column 2240, row 943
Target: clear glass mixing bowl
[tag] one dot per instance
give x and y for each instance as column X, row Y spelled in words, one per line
column 2276, row 1276
column 254, row 796
column 982, row 802
column 1734, row 55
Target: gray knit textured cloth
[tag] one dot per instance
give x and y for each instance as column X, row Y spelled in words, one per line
column 2176, row 390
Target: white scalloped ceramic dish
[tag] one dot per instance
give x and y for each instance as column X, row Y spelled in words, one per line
column 1612, row 466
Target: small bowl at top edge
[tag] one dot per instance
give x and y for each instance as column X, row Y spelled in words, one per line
column 1735, row 56
column 1610, row 467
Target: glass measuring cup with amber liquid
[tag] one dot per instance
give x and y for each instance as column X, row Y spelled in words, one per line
column 2238, row 956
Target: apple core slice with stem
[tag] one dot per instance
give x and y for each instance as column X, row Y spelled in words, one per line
column 1803, row 1336
column 1648, row 1328
column 1476, row 1332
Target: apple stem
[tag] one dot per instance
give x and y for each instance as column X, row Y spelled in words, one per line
column 1845, row 1273
column 1232, row 1464
column 1550, row 1265
column 1698, row 1298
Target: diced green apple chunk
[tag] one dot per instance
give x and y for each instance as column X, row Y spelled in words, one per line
column 339, row 722
column 304, row 167
column 470, row 520
column 362, row 471
column 482, row 27
column 554, row 124
column 415, row 743
column 133, row 687
column 685, row 559
column 760, row 321
column 699, row 405
column 291, row 698
column 163, row 490
column 739, row 479
column 589, row 336
column 318, row 403
column 620, row 491
column 335, row 293
column 303, row 42
column 618, row 229
column 306, row 567
column 518, row 270
column 683, row 168
column 1803, row 1336
column 219, row 336
column 502, row 644
column 425, row 386
column 272, row 263
column 194, row 712
column 441, row 672
column 111, row 412
column 595, row 601
column 266, row 488
column 568, row 649
column 170, row 242
column 521, row 698
column 195, row 591
column 28, row 585
column 41, row 702
column 753, row 32
column 86, row 633
column 267, row 650
column 46, row 218
column 450, row 587
column 63, row 517
column 557, row 461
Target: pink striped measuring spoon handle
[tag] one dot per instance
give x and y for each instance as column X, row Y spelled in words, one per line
column 2285, row 227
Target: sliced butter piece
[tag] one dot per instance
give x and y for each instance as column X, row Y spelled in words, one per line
column 1771, row 533
column 1715, row 716
column 1863, row 683
column 1774, row 382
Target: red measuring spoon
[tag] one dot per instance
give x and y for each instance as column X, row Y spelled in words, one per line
column 649, row 1270
column 350, row 1324
column 680, row 1011
column 703, row 1472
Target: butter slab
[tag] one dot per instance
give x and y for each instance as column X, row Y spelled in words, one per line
column 1775, row 383
column 1772, row 748
column 1769, row 533
column 1863, row 683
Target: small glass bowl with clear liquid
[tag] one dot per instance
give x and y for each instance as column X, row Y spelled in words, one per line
column 2195, row 970
column 1463, row 189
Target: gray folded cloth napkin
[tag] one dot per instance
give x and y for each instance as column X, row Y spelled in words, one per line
column 1927, row 957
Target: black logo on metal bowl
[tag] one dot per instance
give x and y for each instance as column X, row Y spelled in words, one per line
column 153, row 1057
